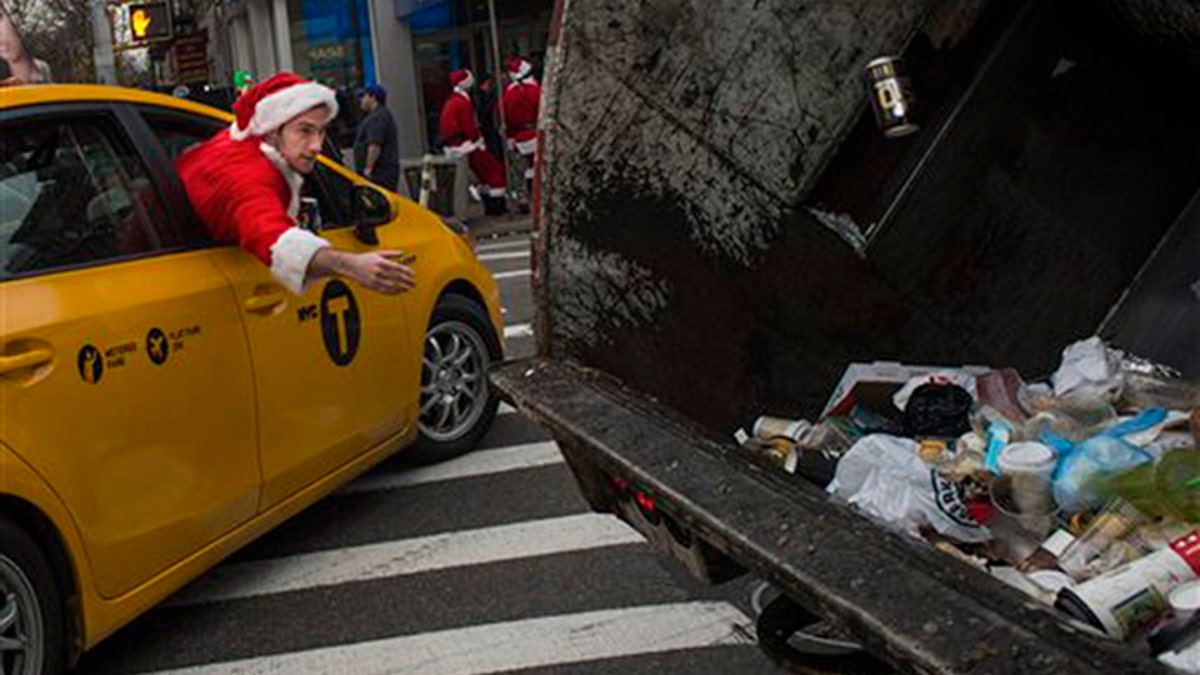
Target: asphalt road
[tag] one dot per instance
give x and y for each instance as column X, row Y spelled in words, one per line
column 488, row 563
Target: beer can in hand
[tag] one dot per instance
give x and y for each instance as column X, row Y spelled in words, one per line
column 891, row 96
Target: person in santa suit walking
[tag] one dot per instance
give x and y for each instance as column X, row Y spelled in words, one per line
column 460, row 134
column 522, row 98
column 244, row 184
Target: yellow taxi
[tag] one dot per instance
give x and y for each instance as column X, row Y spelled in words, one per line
column 163, row 400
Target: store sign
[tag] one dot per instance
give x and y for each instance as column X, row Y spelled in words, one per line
column 191, row 58
column 328, row 54
column 150, row 21
column 406, row 8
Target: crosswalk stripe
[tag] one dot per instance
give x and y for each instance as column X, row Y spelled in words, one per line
column 524, row 242
column 478, row 463
column 409, row 556
column 512, row 275
column 515, row 645
column 505, row 255
column 519, row 330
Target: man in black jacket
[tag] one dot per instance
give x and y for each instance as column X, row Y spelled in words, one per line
column 377, row 145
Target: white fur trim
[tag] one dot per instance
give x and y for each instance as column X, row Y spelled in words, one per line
column 522, row 72
column 294, row 179
column 525, row 147
column 275, row 110
column 528, row 174
column 464, row 149
column 496, row 192
column 466, row 84
column 291, row 255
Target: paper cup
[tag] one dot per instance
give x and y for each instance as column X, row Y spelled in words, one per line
column 1030, row 465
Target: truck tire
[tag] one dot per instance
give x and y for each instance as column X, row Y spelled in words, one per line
column 457, row 404
column 31, row 607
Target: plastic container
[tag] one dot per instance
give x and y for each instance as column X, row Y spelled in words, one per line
column 1185, row 601
column 1143, row 390
column 1017, row 534
column 1117, row 519
column 1030, row 465
column 1168, row 487
column 1133, row 597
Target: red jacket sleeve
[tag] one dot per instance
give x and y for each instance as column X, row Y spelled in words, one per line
column 259, row 219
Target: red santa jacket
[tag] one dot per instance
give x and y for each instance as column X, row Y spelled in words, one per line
column 457, row 125
column 521, row 101
column 245, row 192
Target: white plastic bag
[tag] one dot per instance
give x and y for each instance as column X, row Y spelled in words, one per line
column 884, row 476
column 1089, row 368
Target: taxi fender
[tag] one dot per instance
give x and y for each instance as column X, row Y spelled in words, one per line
column 462, row 270
column 20, row 481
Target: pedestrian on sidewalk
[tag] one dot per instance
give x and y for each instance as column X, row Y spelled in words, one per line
column 486, row 100
column 522, row 100
column 461, row 138
column 376, row 143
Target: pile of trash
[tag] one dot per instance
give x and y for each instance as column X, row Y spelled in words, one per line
column 1083, row 491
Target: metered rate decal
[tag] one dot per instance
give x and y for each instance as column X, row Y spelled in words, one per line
column 93, row 361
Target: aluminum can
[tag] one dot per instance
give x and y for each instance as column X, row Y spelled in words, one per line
column 891, row 96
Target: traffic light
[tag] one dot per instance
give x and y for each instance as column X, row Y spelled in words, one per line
column 150, row 21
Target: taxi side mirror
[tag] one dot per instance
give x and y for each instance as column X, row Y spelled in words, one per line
column 370, row 208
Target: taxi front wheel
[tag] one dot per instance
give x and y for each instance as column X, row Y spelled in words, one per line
column 456, row 404
column 31, row 614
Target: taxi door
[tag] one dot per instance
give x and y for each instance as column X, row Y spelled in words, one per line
column 330, row 366
column 125, row 377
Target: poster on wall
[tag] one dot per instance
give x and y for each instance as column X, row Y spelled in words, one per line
column 17, row 64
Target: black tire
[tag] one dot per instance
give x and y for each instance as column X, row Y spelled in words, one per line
column 27, row 584
column 455, row 314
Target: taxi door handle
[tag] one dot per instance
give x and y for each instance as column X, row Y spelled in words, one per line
column 26, row 359
column 264, row 302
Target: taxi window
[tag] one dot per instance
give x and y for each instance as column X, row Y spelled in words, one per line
column 71, row 194
column 178, row 131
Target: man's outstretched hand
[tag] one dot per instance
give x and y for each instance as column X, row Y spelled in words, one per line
column 386, row 272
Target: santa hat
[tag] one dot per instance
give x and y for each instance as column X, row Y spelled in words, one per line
column 462, row 79
column 270, row 104
column 518, row 68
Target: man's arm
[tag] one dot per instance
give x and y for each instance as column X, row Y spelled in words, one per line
column 373, row 152
column 385, row 271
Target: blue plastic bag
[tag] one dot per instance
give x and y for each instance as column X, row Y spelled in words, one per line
column 1080, row 464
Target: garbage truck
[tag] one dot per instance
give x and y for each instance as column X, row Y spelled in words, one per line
column 728, row 216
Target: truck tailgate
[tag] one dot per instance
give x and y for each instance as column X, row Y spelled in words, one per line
column 919, row 609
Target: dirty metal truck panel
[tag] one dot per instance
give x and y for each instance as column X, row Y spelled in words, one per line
column 923, row 611
column 724, row 228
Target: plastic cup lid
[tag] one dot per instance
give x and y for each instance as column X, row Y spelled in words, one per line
column 1185, row 598
column 1032, row 455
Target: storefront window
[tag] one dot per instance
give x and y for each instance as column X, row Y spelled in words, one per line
column 453, row 34
column 331, row 43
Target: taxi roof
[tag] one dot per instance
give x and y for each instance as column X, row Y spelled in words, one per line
column 41, row 94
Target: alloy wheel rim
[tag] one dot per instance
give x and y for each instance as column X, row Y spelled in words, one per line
column 20, row 623
column 454, row 388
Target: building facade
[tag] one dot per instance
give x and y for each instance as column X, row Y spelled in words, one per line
column 408, row 46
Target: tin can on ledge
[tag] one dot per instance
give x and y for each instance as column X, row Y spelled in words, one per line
column 891, row 96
